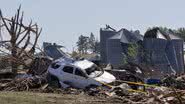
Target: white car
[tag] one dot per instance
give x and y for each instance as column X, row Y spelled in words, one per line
column 79, row 74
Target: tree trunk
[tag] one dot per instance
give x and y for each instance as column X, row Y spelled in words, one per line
column 14, row 54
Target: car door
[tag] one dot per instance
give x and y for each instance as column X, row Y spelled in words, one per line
column 67, row 75
column 80, row 78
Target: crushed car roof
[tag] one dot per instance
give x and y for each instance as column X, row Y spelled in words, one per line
column 83, row 64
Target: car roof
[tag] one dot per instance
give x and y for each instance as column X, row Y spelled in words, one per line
column 82, row 64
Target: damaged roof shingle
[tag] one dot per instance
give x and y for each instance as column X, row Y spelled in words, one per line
column 126, row 36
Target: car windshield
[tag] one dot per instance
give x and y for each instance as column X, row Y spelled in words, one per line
column 94, row 71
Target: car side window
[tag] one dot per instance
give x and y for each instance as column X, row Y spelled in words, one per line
column 68, row 69
column 55, row 65
column 79, row 73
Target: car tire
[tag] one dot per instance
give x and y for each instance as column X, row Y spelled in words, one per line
column 53, row 81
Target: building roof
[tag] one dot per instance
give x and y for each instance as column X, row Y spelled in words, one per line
column 157, row 33
column 126, row 36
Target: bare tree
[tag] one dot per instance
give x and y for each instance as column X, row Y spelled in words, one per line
column 21, row 36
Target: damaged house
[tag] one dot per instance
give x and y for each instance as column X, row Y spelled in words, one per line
column 162, row 50
column 54, row 50
column 114, row 44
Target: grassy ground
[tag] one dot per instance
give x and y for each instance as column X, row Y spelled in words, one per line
column 45, row 98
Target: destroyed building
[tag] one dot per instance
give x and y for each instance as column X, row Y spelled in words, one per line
column 54, row 51
column 114, row 44
column 162, row 50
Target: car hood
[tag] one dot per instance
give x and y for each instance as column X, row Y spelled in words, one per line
column 105, row 78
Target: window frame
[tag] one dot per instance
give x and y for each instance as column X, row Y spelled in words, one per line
column 68, row 72
column 83, row 74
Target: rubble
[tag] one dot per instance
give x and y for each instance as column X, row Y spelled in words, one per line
column 174, row 81
column 122, row 92
column 39, row 65
column 23, row 84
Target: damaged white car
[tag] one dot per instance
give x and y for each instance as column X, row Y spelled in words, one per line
column 78, row 74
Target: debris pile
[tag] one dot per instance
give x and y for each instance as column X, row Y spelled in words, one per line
column 39, row 65
column 23, row 84
column 123, row 93
column 177, row 82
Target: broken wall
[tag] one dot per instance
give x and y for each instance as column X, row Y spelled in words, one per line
column 166, row 55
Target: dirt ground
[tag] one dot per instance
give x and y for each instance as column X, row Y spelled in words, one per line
column 49, row 98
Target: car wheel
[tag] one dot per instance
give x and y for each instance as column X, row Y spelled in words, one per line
column 53, row 81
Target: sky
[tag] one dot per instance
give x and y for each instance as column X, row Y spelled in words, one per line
column 63, row 21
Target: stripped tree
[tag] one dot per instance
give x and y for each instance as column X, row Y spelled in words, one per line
column 22, row 38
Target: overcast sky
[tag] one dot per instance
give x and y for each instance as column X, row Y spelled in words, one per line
column 64, row 20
